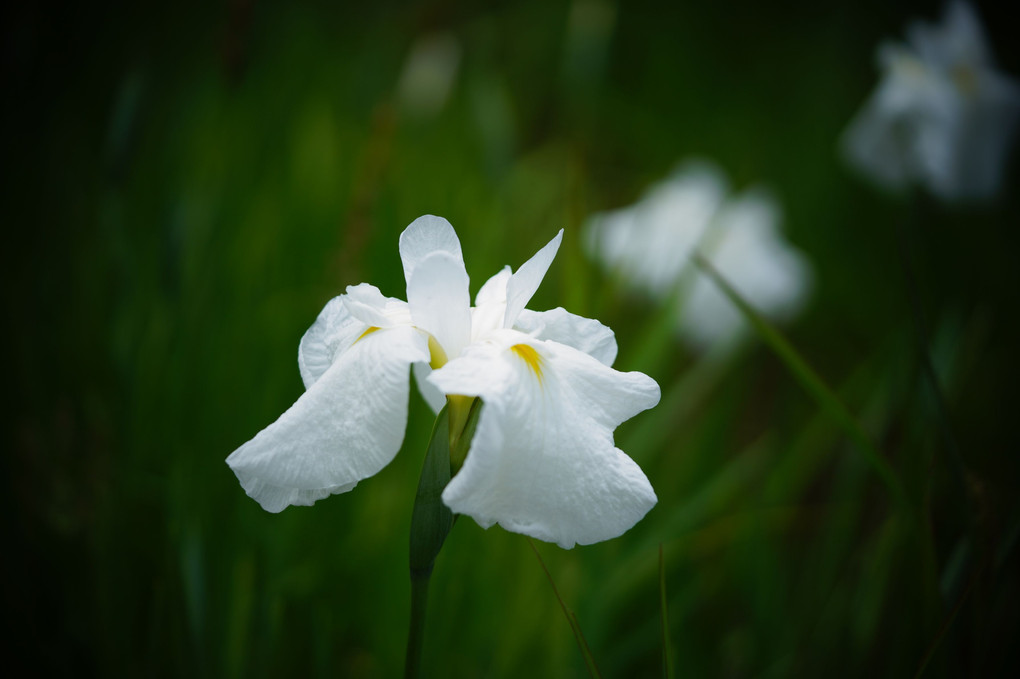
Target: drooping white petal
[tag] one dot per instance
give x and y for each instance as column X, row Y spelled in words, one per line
column 365, row 303
column 347, row 426
column 333, row 332
column 422, row 237
column 559, row 325
column 440, row 303
column 525, row 281
column 542, row 461
column 983, row 141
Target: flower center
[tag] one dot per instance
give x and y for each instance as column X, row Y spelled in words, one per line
column 529, row 356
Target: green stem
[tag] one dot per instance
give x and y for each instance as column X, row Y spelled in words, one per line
column 431, row 522
column 416, row 635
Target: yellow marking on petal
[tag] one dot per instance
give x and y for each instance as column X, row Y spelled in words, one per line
column 368, row 332
column 530, row 356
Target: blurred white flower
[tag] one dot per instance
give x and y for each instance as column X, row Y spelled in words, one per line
column 942, row 116
column 542, row 460
column 649, row 246
column 429, row 74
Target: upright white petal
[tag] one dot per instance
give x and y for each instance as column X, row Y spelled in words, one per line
column 559, row 325
column 333, row 332
column 347, row 426
column 437, row 294
column 424, row 236
column 542, row 461
column 959, row 39
column 525, row 281
column 494, row 289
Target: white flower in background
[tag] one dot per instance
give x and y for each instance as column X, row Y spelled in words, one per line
column 649, row 246
column 942, row 116
column 542, row 461
column 429, row 74
column 745, row 245
column 649, row 243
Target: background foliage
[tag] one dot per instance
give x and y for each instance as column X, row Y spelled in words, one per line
column 185, row 187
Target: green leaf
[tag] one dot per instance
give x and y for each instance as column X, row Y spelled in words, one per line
column 431, row 520
column 667, row 655
column 575, row 625
column 812, row 383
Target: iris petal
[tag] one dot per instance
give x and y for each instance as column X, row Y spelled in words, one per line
column 424, row 236
column 346, row 427
column 435, row 398
column 438, row 297
column 525, row 281
column 543, row 461
column 559, row 325
column 494, row 289
column 333, row 332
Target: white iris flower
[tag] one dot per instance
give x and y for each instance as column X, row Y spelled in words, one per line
column 650, row 245
column 942, row 116
column 542, row 461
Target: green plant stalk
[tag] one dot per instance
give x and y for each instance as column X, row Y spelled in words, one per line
column 416, row 635
column 812, row 383
column 431, row 521
column 667, row 655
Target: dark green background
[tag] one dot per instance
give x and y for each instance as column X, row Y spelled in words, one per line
column 186, row 184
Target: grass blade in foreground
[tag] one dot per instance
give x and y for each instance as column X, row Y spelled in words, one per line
column 575, row 626
column 810, row 380
column 667, row 655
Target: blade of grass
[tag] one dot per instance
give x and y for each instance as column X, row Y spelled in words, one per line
column 667, row 656
column 954, row 458
column 811, row 381
column 575, row 626
column 947, row 623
